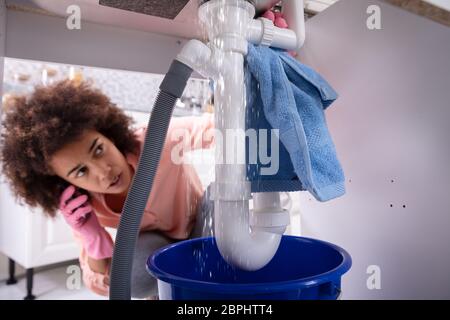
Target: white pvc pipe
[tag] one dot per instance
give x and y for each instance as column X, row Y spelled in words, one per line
column 238, row 245
column 226, row 23
column 294, row 13
column 266, row 200
column 197, row 56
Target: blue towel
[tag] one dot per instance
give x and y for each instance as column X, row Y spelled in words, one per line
column 284, row 94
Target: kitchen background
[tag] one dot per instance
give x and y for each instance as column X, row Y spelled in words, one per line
column 132, row 91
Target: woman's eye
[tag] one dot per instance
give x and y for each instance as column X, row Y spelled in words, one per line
column 81, row 172
column 99, row 150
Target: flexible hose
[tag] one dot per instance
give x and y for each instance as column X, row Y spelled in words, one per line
column 171, row 89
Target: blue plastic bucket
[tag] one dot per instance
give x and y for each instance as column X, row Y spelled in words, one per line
column 301, row 269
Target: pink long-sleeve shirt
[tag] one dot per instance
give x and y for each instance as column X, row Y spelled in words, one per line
column 176, row 193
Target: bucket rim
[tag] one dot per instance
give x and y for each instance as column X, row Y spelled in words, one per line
column 254, row 287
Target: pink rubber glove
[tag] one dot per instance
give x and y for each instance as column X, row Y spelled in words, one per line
column 79, row 214
column 276, row 17
column 279, row 21
column 269, row 15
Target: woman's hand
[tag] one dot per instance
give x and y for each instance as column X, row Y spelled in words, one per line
column 277, row 18
column 78, row 213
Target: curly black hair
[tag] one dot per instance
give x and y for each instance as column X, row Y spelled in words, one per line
column 38, row 125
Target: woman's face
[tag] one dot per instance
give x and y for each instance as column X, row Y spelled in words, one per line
column 93, row 163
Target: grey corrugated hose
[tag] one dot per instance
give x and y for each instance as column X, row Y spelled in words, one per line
column 171, row 89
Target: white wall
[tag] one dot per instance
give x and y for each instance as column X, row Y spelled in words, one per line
column 391, row 122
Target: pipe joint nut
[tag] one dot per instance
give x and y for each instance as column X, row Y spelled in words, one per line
column 268, row 32
column 273, row 221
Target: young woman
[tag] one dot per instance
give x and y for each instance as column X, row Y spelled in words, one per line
column 66, row 148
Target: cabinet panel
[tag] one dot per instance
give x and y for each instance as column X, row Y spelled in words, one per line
column 29, row 237
column 52, row 240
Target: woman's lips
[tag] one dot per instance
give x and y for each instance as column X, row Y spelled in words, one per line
column 116, row 182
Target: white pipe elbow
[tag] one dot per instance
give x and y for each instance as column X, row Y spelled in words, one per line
column 207, row 60
column 294, row 13
column 249, row 246
column 239, row 246
column 198, row 57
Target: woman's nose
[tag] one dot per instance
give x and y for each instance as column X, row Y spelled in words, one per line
column 104, row 171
